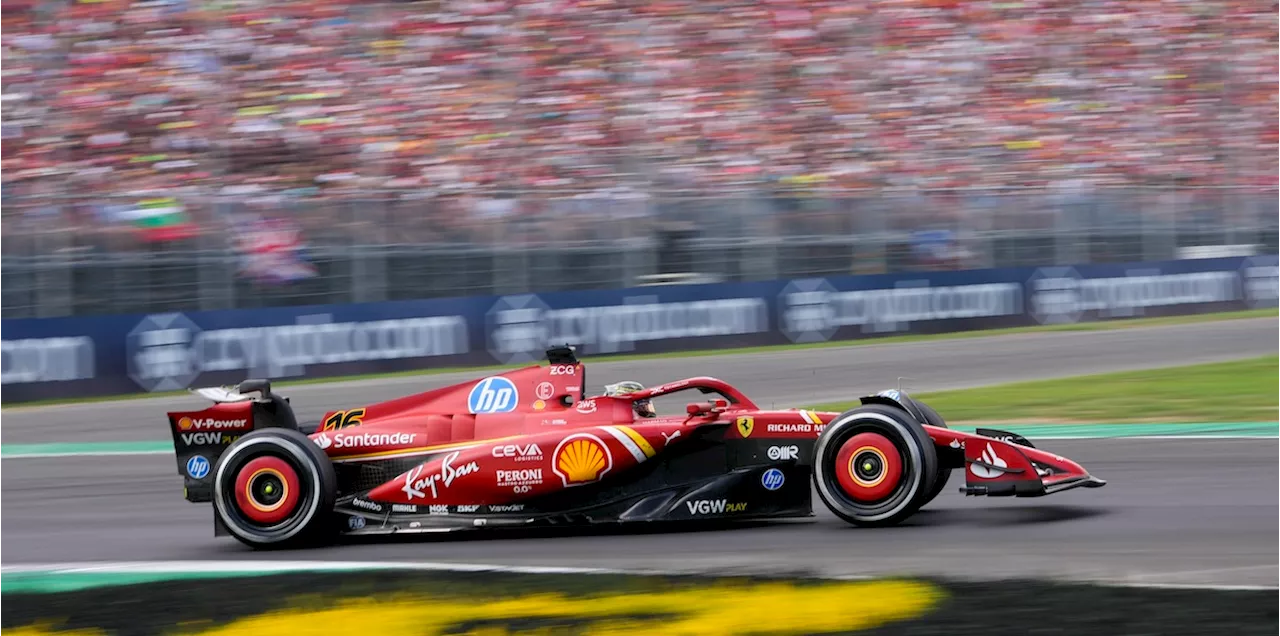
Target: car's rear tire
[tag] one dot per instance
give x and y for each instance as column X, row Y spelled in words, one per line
column 943, row 475
column 873, row 465
column 274, row 488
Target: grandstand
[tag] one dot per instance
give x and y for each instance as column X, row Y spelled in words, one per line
column 165, row 127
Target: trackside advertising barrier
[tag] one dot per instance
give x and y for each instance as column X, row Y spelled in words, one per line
column 120, row 354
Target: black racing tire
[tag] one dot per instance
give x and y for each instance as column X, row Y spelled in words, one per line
column 943, row 475
column 283, row 478
column 916, row 464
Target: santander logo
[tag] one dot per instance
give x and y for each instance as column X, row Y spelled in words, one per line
column 989, row 456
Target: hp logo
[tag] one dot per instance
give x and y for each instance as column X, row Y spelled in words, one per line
column 493, row 395
column 772, row 479
column 197, row 467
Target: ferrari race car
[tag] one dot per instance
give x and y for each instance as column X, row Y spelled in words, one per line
column 529, row 447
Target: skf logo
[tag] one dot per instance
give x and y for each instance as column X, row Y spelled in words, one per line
column 580, row 459
column 746, row 424
column 716, row 507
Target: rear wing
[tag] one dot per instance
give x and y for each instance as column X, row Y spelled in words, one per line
column 201, row 436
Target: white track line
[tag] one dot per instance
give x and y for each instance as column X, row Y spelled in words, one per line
column 1183, row 573
column 1192, row 586
column 88, row 454
column 232, row 568
column 285, row 567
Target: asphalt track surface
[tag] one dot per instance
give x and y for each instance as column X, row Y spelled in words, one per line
column 1193, row 512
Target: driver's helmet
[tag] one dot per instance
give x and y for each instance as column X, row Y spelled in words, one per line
column 644, row 408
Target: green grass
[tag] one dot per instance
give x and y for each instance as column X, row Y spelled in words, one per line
column 1237, row 391
column 1108, row 325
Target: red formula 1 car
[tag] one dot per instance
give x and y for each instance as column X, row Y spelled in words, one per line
column 529, row 447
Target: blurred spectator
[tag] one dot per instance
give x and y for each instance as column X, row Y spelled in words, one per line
column 119, row 103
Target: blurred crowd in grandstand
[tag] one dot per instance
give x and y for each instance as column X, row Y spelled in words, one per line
column 156, row 100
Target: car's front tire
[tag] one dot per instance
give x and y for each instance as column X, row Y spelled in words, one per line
column 943, row 474
column 874, row 465
column 275, row 488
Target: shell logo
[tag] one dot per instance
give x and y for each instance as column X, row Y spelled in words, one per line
column 581, row 458
column 184, row 424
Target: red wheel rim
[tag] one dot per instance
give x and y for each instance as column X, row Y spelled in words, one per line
column 868, row 467
column 267, row 490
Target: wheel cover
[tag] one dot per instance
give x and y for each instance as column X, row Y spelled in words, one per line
column 868, row 467
column 267, row 490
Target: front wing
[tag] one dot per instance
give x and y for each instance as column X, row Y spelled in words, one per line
column 1001, row 464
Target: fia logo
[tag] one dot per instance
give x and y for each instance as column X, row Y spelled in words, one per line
column 493, row 395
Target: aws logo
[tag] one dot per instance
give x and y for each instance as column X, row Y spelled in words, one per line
column 580, row 459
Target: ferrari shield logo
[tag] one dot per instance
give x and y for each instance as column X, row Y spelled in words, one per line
column 746, row 424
